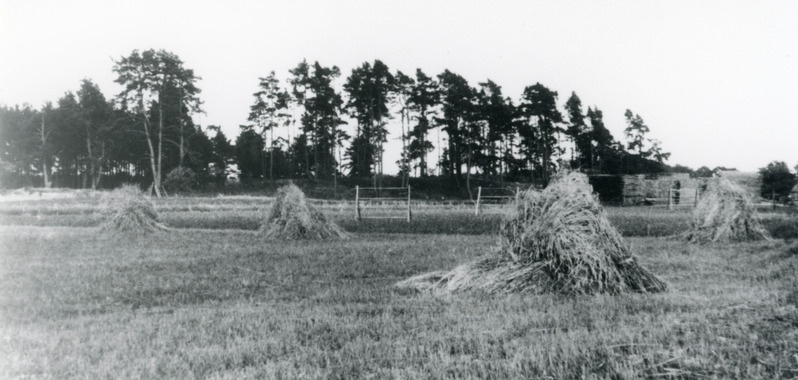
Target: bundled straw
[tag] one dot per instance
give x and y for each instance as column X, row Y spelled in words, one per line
column 292, row 217
column 126, row 210
column 557, row 240
column 725, row 214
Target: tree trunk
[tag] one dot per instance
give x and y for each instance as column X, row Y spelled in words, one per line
column 422, row 164
column 439, row 149
column 180, row 124
column 182, row 151
column 381, row 151
column 45, row 167
column 335, row 170
column 374, row 158
column 319, row 167
column 307, row 161
column 157, row 180
column 91, row 157
column 468, row 175
column 99, row 167
column 450, row 164
column 405, row 164
column 153, row 166
column 290, row 154
column 503, row 167
column 458, row 157
column 422, row 138
column 271, row 155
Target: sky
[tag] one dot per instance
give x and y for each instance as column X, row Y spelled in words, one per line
column 715, row 81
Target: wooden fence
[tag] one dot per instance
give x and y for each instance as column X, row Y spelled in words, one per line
column 494, row 196
column 396, row 202
column 676, row 198
column 382, row 203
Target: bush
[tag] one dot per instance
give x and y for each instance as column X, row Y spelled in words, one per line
column 776, row 180
column 180, row 180
column 782, row 228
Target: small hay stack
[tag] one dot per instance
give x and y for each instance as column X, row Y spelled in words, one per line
column 725, row 214
column 555, row 241
column 127, row 210
column 292, row 217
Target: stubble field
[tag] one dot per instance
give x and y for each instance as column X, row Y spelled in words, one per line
column 210, row 299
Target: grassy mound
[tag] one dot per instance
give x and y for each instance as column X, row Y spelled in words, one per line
column 292, row 217
column 126, row 210
column 725, row 214
column 556, row 241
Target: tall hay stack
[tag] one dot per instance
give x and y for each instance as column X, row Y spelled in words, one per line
column 127, row 210
column 555, row 241
column 292, row 217
column 725, row 214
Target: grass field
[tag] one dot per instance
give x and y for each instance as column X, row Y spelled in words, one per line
column 212, row 300
column 245, row 213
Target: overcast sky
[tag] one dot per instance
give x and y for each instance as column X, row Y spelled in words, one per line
column 716, row 81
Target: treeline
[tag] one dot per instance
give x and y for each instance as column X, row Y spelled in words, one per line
column 312, row 127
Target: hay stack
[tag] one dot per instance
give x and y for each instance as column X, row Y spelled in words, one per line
column 292, row 217
column 126, row 210
column 557, row 240
column 725, row 214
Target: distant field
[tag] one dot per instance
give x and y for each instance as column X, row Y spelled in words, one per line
column 210, row 299
column 429, row 218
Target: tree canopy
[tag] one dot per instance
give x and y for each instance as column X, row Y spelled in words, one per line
column 313, row 124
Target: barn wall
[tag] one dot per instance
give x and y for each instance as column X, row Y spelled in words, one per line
column 643, row 188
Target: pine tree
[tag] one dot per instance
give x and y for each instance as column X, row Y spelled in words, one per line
column 538, row 108
column 403, row 90
column 456, row 104
column 268, row 112
column 321, row 121
column 636, row 130
column 577, row 132
column 424, row 98
column 370, row 89
column 149, row 76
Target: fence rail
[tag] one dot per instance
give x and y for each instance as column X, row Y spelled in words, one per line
column 377, row 191
column 684, row 198
column 503, row 199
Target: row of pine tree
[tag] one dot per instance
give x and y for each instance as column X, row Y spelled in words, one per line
column 315, row 125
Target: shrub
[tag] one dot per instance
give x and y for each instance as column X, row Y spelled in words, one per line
column 776, row 180
column 180, row 180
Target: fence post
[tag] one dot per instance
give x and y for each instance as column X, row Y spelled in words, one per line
column 357, row 203
column 409, row 214
column 479, row 198
column 697, row 196
column 773, row 197
column 670, row 199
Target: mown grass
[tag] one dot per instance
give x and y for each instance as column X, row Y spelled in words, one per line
column 225, row 304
